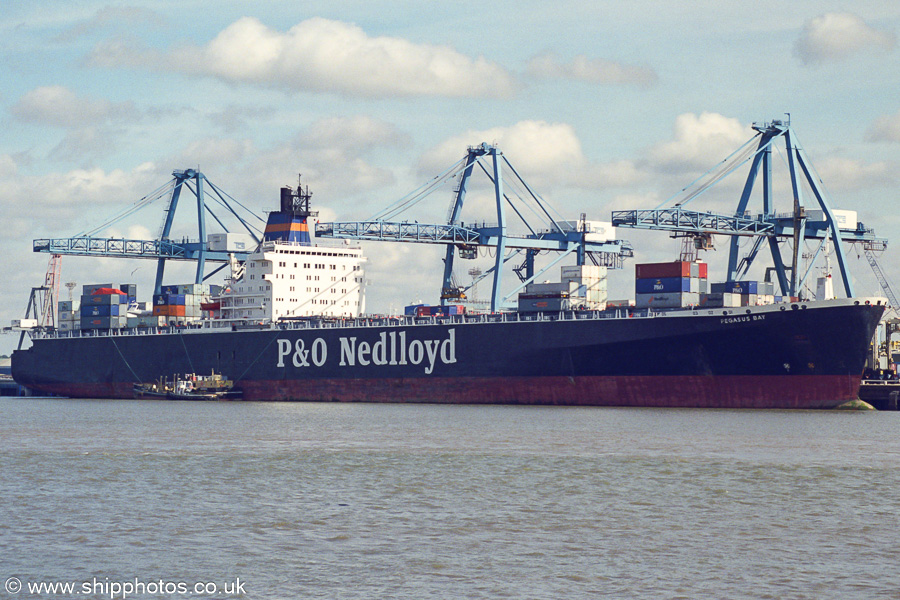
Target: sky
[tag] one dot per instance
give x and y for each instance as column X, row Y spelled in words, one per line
column 600, row 106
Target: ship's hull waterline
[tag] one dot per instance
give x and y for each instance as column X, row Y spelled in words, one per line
column 802, row 355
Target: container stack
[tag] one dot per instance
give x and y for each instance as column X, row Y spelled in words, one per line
column 130, row 290
column 68, row 317
column 677, row 284
column 180, row 303
column 423, row 310
column 591, row 282
column 581, row 287
column 741, row 293
column 103, row 307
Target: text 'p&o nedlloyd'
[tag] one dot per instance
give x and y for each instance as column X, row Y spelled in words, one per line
column 391, row 348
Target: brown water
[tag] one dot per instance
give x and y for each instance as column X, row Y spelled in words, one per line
column 400, row 501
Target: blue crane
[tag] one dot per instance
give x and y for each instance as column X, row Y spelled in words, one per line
column 163, row 248
column 768, row 226
column 460, row 238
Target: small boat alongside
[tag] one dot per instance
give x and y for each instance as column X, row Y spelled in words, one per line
column 189, row 387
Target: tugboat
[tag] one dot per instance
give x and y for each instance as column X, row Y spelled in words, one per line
column 189, row 387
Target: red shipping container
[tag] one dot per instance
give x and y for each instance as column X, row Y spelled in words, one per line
column 169, row 310
column 660, row 270
column 703, row 270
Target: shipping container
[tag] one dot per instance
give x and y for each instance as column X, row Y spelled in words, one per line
column 95, row 299
column 659, row 270
column 583, row 272
column 69, row 315
column 568, row 287
column 231, row 242
column 410, row 311
column 101, row 323
column 198, row 289
column 69, row 325
column 145, row 321
column 528, row 303
column 735, row 287
column 100, row 310
column 169, row 310
column 70, row 305
column 722, row 300
column 670, row 300
column 748, row 299
column 619, row 303
column 665, row 285
column 88, row 290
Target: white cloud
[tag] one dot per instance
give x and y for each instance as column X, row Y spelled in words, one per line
column 321, row 55
column 220, row 152
column 700, row 142
column 56, row 204
column 358, row 133
column 536, row 149
column 122, row 17
column 845, row 174
column 885, row 129
column 59, row 106
column 593, row 70
column 548, row 156
column 333, row 156
column 835, row 36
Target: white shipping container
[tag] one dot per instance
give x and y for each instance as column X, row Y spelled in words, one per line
column 845, row 219
column 668, row 300
column 576, row 271
column 619, row 303
column 551, row 288
column 599, row 231
column 24, row 323
column 231, row 242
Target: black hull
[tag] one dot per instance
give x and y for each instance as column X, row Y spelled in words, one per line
column 811, row 356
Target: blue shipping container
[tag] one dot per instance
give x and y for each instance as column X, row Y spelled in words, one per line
column 662, row 285
column 100, row 310
column 411, row 309
column 734, row 287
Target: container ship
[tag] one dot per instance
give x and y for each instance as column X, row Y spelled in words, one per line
column 290, row 325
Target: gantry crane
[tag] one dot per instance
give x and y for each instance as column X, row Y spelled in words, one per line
column 511, row 192
column 768, row 226
column 163, row 248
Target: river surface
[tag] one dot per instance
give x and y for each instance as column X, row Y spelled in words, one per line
column 357, row 501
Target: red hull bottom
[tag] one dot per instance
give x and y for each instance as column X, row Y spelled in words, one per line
column 688, row 391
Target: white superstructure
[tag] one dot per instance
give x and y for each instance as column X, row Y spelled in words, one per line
column 286, row 279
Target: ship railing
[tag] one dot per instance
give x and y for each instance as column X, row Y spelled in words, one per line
column 317, row 243
column 369, row 321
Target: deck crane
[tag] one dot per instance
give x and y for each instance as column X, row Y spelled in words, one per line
column 767, row 227
column 42, row 301
column 462, row 239
column 163, row 248
column 869, row 250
